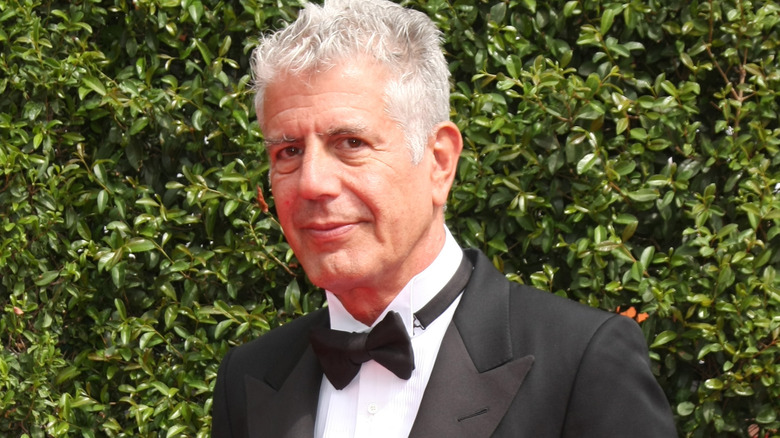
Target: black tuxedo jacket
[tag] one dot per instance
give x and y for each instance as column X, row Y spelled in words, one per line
column 514, row 362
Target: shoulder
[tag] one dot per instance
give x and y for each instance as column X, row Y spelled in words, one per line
column 551, row 310
column 284, row 343
column 590, row 367
column 541, row 317
column 567, row 337
column 539, row 323
column 490, row 295
column 555, row 330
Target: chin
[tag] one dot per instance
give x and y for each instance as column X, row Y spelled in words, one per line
column 335, row 281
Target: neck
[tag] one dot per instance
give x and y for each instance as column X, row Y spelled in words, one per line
column 367, row 302
column 366, row 305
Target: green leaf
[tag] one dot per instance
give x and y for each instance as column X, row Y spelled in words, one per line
column 68, row 373
column 138, row 125
column 140, row 244
column 586, row 163
column 168, row 290
column 499, row 244
column 292, row 297
column 230, row 207
column 171, row 313
column 120, row 307
column 647, row 257
column 766, row 415
column 94, row 85
column 571, row 8
column 102, row 201
column 100, row 172
column 498, row 12
column 198, row 119
column 147, row 201
column 118, row 274
column 222, row 327
column 47, row 278
column 225, row 46
column 709, row 348
column 644, row 195
column 663, row 338
column 149, row 340
column 195, row 10
column 685, row 408
column 108, row 259
column 607, row 18
column 204, row 51
column 176, row 430
column 713, row 384
column 242, row 119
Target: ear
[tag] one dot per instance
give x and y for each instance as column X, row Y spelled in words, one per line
column 446, row 144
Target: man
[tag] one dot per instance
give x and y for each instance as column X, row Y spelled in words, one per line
column 353, row 101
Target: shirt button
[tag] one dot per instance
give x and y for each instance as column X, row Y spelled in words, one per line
column 373, row 408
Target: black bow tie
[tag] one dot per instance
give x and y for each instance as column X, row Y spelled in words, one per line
column 341, row 354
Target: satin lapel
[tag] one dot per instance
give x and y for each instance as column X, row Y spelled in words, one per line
column 290, row 411
column 285, row 404
column 462, row 402
column 475, row 377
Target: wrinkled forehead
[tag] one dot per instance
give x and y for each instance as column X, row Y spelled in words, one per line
column 353, row 73
column 334, row 93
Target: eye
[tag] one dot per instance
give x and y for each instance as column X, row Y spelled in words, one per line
column 350, row 144
column 286, row 158
column 288, row 152
column 354, row 143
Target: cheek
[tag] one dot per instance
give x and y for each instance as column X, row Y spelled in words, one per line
column 285, row 210
column 287, row 204
column 283, row 199
column 389, row 197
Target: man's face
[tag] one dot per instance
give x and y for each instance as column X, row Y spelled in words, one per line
column 360, row 216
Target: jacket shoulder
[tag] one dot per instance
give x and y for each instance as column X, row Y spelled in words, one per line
column 282, row 344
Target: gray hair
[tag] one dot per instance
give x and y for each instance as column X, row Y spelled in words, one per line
column 403, row 40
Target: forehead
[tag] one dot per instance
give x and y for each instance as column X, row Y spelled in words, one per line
column 343, row 97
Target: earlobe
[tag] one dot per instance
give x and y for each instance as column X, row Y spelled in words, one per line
column 447, row 145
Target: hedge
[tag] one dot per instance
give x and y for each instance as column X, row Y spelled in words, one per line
column 621, row 153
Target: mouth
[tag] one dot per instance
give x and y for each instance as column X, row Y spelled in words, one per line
column 328, row 231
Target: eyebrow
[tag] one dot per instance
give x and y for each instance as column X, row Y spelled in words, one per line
column 278, row 141
column 345, row 132
column 333, row 132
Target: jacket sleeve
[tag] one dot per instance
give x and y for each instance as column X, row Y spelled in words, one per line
column 615, row 393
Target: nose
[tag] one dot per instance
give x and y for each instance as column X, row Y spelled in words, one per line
column 319, row 174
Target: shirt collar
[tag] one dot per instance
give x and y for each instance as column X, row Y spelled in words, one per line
column 416, row 294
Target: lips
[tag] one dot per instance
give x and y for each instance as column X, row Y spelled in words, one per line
column 327, row 231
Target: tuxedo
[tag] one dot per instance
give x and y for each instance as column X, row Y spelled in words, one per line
column 514, row 362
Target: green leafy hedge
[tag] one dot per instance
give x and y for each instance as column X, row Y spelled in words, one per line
column 623, row 154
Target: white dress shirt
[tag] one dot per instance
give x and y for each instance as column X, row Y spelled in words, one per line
column 377, row 403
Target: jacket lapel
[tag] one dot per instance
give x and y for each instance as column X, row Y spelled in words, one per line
column 475, row 377
column 285, row 403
